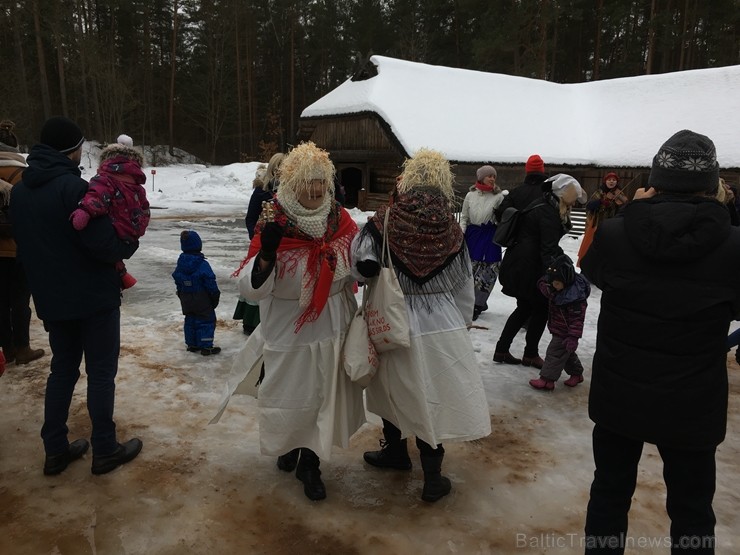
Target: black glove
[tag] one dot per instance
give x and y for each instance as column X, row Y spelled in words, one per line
column 368, row 268
column 271, row 236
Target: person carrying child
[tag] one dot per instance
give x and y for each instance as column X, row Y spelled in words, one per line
column 566, row 292
column 117, row 191
column 199, row 295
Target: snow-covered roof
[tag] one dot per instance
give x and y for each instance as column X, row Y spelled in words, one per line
column 473, row 116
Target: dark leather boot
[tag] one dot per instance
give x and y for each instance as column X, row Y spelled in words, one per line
column 506, row 357
column 535, row 361
column 125, row 452
column 24, row 355
column 436, row 486
column 56, row 464
column 308, row 472
column 288, row 462
column 392, row 454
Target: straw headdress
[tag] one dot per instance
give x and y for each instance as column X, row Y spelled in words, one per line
column 428, row 168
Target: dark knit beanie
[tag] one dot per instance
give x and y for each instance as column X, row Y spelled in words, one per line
column 484, row 171
column 62, row 134
column 535, row 164
column 190, row 241
column 562, row 269
column 686, row 163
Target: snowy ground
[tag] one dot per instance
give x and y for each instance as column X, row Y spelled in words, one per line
column 199, row 488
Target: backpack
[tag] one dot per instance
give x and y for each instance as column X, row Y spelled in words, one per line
column 507, row 230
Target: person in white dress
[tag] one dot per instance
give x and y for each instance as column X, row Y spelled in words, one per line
column 298, row 268
column 433, row 388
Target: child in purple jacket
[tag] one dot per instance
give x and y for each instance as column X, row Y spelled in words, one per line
column 117, row 190
column 567, row 293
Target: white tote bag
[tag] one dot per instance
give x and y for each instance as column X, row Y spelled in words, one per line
column 359, row 355
column 385, row 311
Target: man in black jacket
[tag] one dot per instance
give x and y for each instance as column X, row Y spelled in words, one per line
column 670, row 278
column 530, row 189
column 76, row 290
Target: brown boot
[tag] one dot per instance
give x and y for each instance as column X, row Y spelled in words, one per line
column 26, row 354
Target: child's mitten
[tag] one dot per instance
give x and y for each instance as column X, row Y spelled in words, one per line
column 571, row 344
column 80, row 218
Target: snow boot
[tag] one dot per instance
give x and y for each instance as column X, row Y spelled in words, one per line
column 506, row 357
column 436, row 486
column 288, row 462
column 307, row 471
column 207, row 351
column 392, row 454
column 26, row 354
column 542, row 383
column 574, row 380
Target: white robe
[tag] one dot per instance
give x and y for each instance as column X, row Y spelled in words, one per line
column 305, row 398
column 432, row 389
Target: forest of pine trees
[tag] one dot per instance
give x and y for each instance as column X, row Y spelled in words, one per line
column 228, row 79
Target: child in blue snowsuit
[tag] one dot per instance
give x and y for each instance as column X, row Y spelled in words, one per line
column 198, row 293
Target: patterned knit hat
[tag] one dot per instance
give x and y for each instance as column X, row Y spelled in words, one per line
column 62, row 134
column 686, row 163
column 535, row 164
column 190, row 241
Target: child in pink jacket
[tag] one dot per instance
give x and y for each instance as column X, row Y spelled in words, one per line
column 117, row 190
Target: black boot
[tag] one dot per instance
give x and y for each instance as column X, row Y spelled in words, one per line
column 308, row 472
column 125, row 452
column 436, row 486
column 56, row 464
column 392, row 454
column 288, row 462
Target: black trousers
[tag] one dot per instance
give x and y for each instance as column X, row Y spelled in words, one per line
column 393, row 434
column 534, row 310
column 690, row 483
column 98, row 338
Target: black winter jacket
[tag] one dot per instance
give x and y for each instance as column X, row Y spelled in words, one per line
column 71, row 273
column 255, row 209
column 669, row 271
column 523, row 195
column 538, row 238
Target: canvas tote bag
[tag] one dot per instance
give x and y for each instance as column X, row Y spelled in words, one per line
column 385, row 311
column 359, row 355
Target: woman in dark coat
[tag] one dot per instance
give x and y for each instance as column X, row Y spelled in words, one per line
column 540, row 231
column 249, row 313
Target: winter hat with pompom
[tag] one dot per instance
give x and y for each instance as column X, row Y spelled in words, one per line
column 125, row 140
column 190, row 241
column 118, row 149
column 534, row 164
